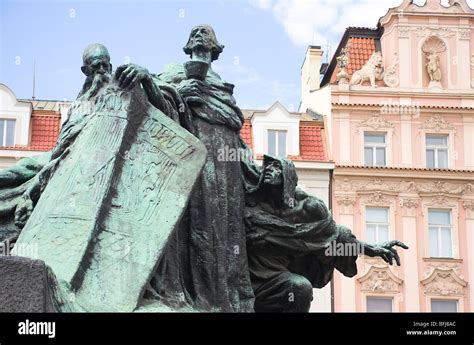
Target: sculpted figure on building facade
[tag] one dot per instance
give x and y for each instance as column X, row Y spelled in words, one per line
column 432, row 65
column 342, row 61
column 372, row 71
column 432, row 48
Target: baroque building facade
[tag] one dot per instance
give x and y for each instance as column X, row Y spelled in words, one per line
column 398, row 101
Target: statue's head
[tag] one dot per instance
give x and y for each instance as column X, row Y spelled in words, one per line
column 272, row 172
column 281, row 173
column 96, row 60
column 376, row 59
column 203, row 37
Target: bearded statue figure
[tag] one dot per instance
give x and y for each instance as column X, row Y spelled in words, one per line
column 21, row 185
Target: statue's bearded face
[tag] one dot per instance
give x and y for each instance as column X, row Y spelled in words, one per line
column 98, row 70
column 201, row 37
column 273, row 174
column 99, row 64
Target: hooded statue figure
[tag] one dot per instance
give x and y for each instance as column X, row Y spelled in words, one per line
column 290, row 237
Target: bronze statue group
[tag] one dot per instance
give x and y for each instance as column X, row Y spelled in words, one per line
column 249, row 239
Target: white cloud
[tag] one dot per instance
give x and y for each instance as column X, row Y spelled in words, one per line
column 251, row 82
column 318, row 21
column 262, row 4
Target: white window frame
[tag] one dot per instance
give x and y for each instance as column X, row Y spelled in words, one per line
column 452, row 153
column 374, row 147
column 436, row 149
column 378, row 223
column 3, row 143
column 276, row 141
column 459, row 304
column 439, row 227
column 386, row 297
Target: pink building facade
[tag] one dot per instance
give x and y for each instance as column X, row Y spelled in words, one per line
column 399, row 107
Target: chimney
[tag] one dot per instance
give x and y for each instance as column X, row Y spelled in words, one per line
column 310, row 71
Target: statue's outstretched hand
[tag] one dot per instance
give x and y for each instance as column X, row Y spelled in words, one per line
column 386, row 251
column 130, row 74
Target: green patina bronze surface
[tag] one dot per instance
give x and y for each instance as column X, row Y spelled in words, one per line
column 124, row 185
column 136, row 210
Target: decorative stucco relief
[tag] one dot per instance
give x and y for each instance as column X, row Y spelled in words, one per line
column 464, row 34
column 431, row 264
column 441, row 200
column 380, row 279
column 346, row 202
column 437, row 123
column 435, row 189
column 403, row 31
column 443, row 282
column 376, row 122
column 378, row 199
column 409, row 203
column 390, row 77
column 468, row 205
column 425, row 31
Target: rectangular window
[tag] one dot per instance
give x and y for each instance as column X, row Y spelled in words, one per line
column 375, row 149
column 444, row 306
column 379, row 305
column 440, row 239
column 7, row 132
column 436, row 151
column 277, row 143
column 377, row 224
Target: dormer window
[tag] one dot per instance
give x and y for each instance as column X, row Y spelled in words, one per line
column 7, row 132
column 277, row 143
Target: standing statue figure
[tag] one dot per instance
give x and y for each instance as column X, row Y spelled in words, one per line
column 291, row 241
column 433, row 65
column 205, row 266
column 342, row 61
column 432, row 48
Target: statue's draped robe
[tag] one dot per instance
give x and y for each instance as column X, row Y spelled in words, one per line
column 293, row 239
column 13, row 183
column 205, row 267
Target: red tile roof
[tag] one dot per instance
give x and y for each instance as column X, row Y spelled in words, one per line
column 246, row 133
column 311, row 142
column 44, row 131
column 358, row 50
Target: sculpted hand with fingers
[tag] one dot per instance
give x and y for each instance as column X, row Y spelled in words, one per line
column 129, row 75
column 385, row 251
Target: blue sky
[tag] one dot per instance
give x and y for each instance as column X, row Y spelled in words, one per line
column 265, row 40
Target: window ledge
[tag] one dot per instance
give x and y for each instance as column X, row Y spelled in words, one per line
column 442, row 260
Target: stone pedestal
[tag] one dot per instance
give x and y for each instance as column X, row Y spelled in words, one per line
column 24, row 286
column 435, row 85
